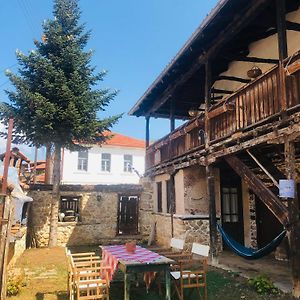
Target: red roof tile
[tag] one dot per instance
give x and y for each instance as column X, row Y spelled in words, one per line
column 124, row 141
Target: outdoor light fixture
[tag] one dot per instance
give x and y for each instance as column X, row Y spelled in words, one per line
column 193, row 112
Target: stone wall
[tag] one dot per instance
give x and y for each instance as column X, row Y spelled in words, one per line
column 190, row 228
column 146, row 207
column 98, row 213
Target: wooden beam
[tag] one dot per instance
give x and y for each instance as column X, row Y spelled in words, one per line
column 147, row 131
column 281, row 29
column 208, row 83
column 263, row 168
column 256, row 59
column 7, row 155
column 220, row 91
column 233, row 78
column 292, row 26
column 212, row 213
column 259, row 189
column 230, row 31
column 172, row 118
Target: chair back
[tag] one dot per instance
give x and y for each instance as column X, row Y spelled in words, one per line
column 177, row 244
column 199, row 249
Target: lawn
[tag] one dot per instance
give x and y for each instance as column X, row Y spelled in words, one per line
column 45, row 275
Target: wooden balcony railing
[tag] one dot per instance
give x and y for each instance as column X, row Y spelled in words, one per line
column 254, row 103
column 186, row 138
column 261, row 101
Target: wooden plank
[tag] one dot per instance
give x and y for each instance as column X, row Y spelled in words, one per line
column 261, row 191
column 281, row 29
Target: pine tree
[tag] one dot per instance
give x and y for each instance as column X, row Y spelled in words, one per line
column 55, row 98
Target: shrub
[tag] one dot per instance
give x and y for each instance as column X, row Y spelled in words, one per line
column 263, row 285
column 14, row 285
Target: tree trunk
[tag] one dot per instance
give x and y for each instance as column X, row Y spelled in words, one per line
column 55, row 197
column 48, row 167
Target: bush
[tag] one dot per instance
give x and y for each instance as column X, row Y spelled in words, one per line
column 14, row 285
column 263, row 285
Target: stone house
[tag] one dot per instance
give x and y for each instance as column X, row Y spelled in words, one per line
column 236, row 83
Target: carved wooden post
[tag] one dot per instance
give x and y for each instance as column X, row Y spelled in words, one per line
column 293, row 206
column 207, row 101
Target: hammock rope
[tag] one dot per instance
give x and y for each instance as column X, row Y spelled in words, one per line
column 250, row 253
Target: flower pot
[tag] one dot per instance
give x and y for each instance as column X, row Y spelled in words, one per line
column 254, row 72
column 130, row 247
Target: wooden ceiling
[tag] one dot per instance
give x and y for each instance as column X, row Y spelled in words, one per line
column 225, row 35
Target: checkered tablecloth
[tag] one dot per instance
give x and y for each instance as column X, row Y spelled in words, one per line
column 113, row 254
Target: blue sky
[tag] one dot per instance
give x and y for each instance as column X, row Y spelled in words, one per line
column 133, row 40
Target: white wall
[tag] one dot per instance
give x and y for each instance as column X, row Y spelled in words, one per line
column 94, row 175
column 265, row 48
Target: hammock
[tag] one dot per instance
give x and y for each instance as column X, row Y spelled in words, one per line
column 250, row 253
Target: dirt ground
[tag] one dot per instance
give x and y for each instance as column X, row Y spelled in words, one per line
column 45, row 274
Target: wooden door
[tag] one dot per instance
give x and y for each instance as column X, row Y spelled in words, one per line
column 128, row 215
column 232, row 206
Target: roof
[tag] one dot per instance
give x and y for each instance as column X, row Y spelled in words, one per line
column 223, row 36
column 121, row 140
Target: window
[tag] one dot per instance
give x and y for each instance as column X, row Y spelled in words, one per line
column 69, row 209
column 159, row 196
column 127, row 163
column 230, row 211
column 105, row 162
column 83, row 157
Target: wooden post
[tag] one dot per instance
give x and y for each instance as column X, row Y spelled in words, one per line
column 281, row 29
column 293, row 206
column 172, row 119
column 212, row 213
column 147, row 131
column 282, row 50
column 7, row 155
column 207, row 100
column 4, row 244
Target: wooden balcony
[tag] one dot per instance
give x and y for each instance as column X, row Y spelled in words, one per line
column 262, row 101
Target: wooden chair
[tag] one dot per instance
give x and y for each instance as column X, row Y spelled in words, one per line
column 176, row 246
column 191, row 273
column 70, row 263
column 91, row 283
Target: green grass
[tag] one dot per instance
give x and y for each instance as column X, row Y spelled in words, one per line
column 222, row 285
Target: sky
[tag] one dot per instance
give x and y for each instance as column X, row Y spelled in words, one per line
column 133, row 40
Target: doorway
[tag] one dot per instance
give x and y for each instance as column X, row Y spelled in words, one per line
column 232, row 205
column 128, row 215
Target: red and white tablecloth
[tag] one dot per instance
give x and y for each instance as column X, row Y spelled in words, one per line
column 113, row 254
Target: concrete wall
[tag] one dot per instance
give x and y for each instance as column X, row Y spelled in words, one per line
column 98, row 218
column 265, row 48
column 94, row 175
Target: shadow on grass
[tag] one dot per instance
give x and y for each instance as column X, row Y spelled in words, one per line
column 60, row 295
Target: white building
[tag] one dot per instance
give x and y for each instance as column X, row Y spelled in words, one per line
column 120, row 160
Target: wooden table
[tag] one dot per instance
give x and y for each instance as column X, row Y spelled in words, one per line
column 131, row 265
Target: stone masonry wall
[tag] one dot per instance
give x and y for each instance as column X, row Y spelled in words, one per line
column 146, row 207
column 192, row 230
column 98, row 215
